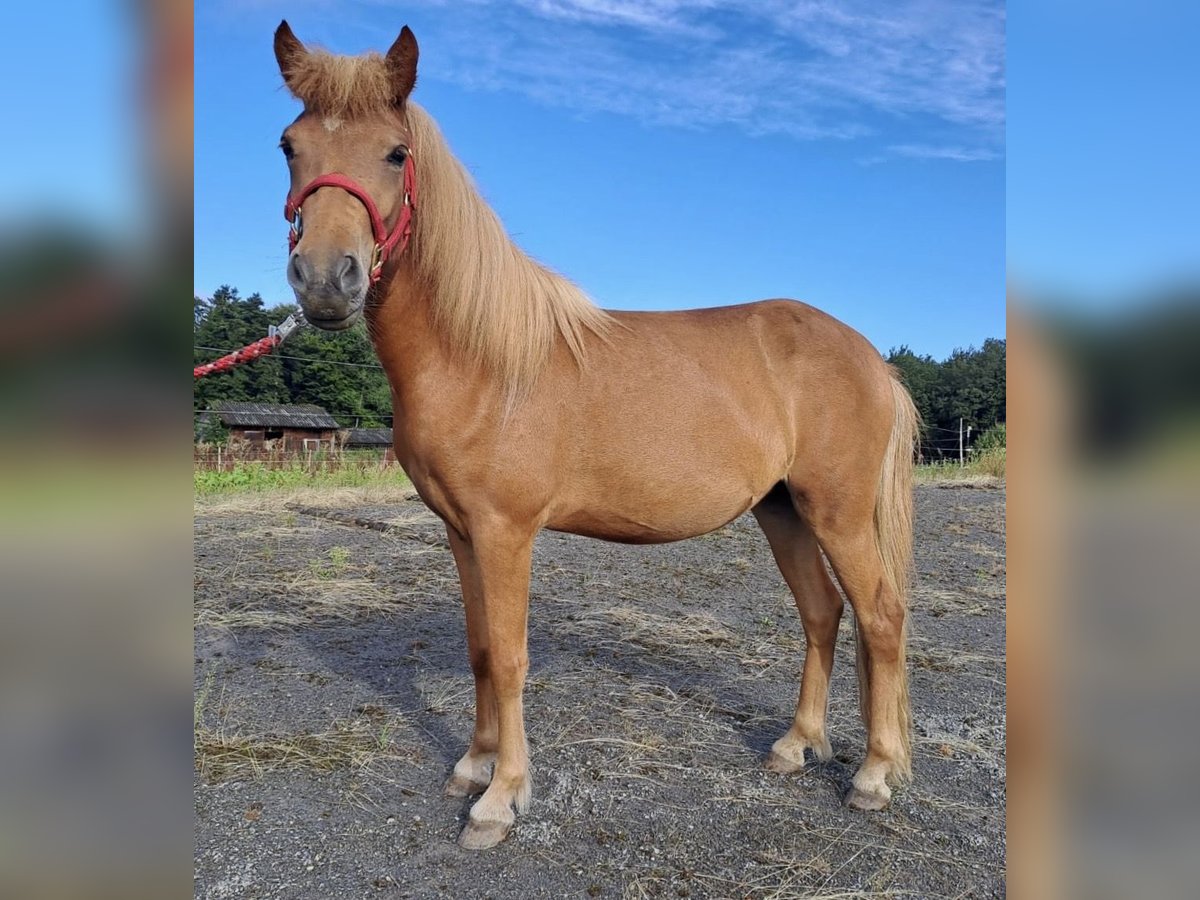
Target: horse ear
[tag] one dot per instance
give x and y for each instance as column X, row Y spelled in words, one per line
column 289, row 52
column 402, row 62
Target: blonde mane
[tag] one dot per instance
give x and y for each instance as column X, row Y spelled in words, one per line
column 504, row 311
column 501, row 309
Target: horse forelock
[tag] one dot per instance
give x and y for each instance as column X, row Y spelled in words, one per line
column 338, row 87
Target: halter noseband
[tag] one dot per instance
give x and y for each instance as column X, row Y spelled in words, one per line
column 385, row 241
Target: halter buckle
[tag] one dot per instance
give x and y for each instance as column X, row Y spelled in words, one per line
column 376, row 262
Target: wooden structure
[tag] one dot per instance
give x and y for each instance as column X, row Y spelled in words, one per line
column 278, row 426
column 369, row 439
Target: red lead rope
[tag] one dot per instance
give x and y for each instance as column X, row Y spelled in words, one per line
column 250, row 351
column 237, row 357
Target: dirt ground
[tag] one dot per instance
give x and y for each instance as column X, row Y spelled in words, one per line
column 333, row 696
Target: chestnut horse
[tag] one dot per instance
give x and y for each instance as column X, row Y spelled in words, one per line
column 519, row 405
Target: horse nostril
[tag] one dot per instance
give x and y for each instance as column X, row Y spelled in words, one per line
column 299, row 272
column 349, row 275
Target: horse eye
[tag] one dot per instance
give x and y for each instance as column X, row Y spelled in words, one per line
column 398, row 156
column 286, row 147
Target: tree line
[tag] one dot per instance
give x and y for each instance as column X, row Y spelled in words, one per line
column 340, row 373
column 337, row 371
column 969, row 385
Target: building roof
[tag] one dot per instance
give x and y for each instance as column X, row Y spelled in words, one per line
column 367, row 437
column 272, row 415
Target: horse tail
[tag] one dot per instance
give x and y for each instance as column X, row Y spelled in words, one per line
column 893, row 537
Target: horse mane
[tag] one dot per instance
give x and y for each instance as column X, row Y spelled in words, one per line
column 504, row 311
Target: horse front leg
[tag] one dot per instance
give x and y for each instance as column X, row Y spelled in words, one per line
column 502, row 557
column 473, row 772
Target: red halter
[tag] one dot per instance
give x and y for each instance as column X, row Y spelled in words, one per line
column 385, row 242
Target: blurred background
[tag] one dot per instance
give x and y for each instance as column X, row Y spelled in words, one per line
column 95, row 259
column 1104, row 264
column 1104, row 381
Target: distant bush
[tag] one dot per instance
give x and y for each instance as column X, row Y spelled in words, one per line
column 985, row 467
column 212, row 431
column 994, row 438
column 992, row 462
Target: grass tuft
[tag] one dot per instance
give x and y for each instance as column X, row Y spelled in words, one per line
column 986, row 469
column 256, row 477
column 345, row 744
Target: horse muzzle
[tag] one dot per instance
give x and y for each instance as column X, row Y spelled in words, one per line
column 330, row 292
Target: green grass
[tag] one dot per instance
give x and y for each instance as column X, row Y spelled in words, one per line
column 252, row 477
column 985, row 467
column 338, row 561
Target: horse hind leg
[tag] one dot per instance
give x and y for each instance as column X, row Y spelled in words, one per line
column 820, row 605
column 880, row 615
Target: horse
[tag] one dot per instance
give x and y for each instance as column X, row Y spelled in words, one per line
column 519, row 405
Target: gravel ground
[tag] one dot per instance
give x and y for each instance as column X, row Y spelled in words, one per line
column 333, row 696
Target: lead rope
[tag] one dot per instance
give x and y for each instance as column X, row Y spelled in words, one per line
column 276, row 335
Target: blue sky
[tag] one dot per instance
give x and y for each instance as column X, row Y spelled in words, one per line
column 667, row 153
column 72, row 150
column 1103, row 138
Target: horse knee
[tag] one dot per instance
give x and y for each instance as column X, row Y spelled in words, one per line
column 821, row 614
column 480, row 662
column 508, row 670
column 821, row 628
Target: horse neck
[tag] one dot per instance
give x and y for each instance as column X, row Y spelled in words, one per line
column 413, row 352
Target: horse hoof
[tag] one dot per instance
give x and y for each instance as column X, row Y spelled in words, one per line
column 457, row 786
column 776, row 762
column 867, row 801
column 482, row 835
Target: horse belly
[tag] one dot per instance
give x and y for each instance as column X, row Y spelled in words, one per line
column 656, row 506
column 637, row 530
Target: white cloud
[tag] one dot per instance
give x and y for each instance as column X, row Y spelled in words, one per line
column 656, row 15
column 918, row 78
column 933, row 151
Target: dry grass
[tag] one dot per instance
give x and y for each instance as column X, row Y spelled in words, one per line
column 953, row 476
column 345, row 744
column 222, row 751
column 276, row 501
column 668, row 635
column 980, row 744
column 938, row 602
column 757, row 650
column 449, row 695
column 944, row 659
column 988, row 469
column 780, row 877
column 294, row 589
column 327, row 589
